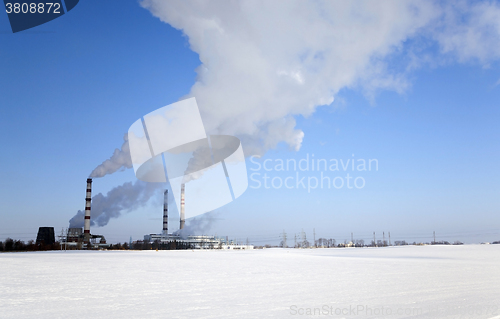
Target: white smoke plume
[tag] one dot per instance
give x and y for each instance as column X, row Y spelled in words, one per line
column 199, row 225
column 119, row 160
column 120, row 199
column 266, row 62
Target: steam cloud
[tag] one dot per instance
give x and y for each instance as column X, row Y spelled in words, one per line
column 264, row 62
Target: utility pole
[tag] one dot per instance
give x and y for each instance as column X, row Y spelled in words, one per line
column 283, row 236
column 61, row 238
column 374, row 242
column 383, row 238
column 434, row 233
column 389, row 238
column 314, row 236
column 352, row 238
column 295, row 245
column 303, row 237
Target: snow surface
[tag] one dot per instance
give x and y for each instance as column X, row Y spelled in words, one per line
column 428, row 281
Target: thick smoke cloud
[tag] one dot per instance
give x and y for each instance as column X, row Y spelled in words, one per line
column 119, row 160
column 120, row 199
column 266, row 62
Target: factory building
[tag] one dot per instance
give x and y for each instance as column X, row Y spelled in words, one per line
column 74, row 235
column 194, row 241
column 76, row 239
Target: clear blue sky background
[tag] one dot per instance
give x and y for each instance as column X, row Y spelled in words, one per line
column 69, row 90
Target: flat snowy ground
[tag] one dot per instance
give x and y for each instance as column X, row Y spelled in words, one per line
column 392, row 282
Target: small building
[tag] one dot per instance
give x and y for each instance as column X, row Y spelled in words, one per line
column 196, row 241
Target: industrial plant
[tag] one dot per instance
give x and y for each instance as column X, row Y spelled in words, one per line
column 78, row 238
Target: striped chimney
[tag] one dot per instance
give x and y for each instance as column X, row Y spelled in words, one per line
column 88, row 199
column 165, row 212
column 183, row 216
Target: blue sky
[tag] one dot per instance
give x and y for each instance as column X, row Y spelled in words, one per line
column 71, row 88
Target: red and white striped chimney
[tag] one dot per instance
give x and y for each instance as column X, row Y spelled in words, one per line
column 88, row 199
column 165, row 212
column 183, row 216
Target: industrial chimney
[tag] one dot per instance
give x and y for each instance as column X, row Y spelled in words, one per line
column 183, row 216
column 165, row 212
column 88, row 199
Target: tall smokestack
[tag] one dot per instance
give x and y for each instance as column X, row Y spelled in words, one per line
column 183, row 216
column 88, row 199
column 165, row 212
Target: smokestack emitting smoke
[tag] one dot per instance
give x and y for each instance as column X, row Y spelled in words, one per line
column 120, row 199
column 165, row 212
column 123, row 198
column 182, row 212
column 88, row 199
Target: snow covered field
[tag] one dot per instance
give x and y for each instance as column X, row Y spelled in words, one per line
column 392, row 282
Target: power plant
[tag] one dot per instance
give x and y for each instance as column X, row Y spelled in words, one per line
column 78, row 238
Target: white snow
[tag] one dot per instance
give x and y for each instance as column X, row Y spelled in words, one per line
column 423, row 281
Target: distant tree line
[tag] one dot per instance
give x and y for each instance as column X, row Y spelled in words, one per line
column 444, row 242
column 144, row 245
column 10, row 245
column 332, row 243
